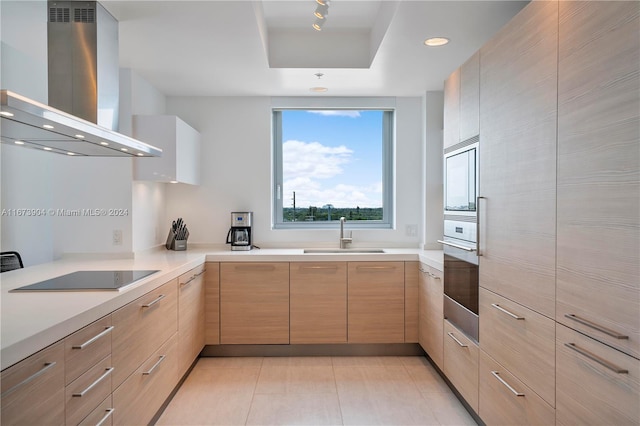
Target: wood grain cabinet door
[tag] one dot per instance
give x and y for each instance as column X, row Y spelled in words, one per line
column 451, row 133
column 376, row 302
column 318, row 302
column 431, row 316
column 190, row 316
column 470, row 97
column 599, row 171
column 518, row 115
column 212, row 304
column 33, row 389
column 461, row 358
column 254, row 303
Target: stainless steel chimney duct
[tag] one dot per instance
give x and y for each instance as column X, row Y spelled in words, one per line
column 83, row 55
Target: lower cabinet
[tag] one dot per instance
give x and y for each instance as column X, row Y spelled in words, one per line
column 596, row 384
column 375, row 302
column 431, row 316
column 461, row 360
column 318, row 306
column 102, row 415
column 411, row 304
column 212, row 304
column 33, row 389
column 85, row 393
column 254, row 303
column 190, row 316
column 138, row 399
column 505, row 400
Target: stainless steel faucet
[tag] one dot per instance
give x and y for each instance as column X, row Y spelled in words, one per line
column 344, row 241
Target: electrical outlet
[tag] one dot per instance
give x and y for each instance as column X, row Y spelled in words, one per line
column 411, row 230
column 117, row 237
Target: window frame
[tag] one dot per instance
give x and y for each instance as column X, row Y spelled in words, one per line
column 388, row 167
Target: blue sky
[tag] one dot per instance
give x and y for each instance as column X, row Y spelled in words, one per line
column 332, row 157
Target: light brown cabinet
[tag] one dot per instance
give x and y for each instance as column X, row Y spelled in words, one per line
column 85, row 393
column 411, row 303
column 431, row 315
column 102, row 415
column 451, row 132
column 190, row 316
column 520, row 339
column 254, row 303
column 598, row 287
column 212, row 304
column 33, row 389
column 375, row 302
column 141, row 327
column 461, row 360
column 318, row 305
column 518, row 116
column 138, row 399
column 596, row 384
column 505, row 400
column 469, row 119
column 86, row 347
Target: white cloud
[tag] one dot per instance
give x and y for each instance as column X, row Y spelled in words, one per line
column 313, row 160
column 337, row 113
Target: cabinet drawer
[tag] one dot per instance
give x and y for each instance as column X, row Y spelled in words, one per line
column 101, row 416
column 138, row 399
column 212, row 304
column 375, row 302
column 431, row 320
column 84, row 348
column 141, row 327
column 505, row 400
column 318, row 302
column 521, row 340
column 85, row 393
column 33, row 389
column 461, row 363
column 190, row 316
column 254, row 303
column 411, row 278
column 596, row 384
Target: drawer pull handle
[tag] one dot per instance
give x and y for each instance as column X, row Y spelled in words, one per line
column 47, row 366
column 511, row 314
column 193, row 277
column 364, row 268
column 595, row 326
column 255, row 268
column 106, row 331
column 429, row 273
column 496, row 374
column 447, row 243
column 106, row 416
column 154, row 301
column 456, row 340
column 320, row 268
column 148, row 373
column 94, row 384
column 596, row 358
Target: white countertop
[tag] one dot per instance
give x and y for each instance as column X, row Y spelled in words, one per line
column 32, row 321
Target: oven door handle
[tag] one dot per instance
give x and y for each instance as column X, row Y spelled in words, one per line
column 447, row 243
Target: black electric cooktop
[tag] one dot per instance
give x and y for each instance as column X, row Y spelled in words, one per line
column 88, row 280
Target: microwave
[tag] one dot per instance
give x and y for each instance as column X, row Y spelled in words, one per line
column 461, row 180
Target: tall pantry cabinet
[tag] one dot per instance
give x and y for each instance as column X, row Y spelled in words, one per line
column 560, row 219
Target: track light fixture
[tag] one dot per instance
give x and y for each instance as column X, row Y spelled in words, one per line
column 317, row 25
column 321, row 12
column 322, row 2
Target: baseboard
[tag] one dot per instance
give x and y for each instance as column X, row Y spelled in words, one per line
column 351, row 349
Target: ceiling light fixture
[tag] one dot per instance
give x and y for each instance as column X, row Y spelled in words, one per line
column 79, row 136
column 322, row 2
column 71, row 153
column 6, row 113
column 436, row 41
column 46, row 148
column 19, row 142
column 104, row 143
column 47, row 126
column 318, row 89
column 321, row 11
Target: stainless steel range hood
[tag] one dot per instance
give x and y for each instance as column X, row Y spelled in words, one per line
column 82, row 115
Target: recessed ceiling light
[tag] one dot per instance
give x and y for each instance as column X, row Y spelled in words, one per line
column 318, row 89
column 71, row 153
column 140, row 154
column 19, row 143
column 436, row 41
column 124, row 149
column 80, row 136
column 173, row 181
column 104, row 143
column 46, row 148
column 6, row 113
column 47, row 126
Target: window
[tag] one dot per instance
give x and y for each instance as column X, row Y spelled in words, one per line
column 330, row 163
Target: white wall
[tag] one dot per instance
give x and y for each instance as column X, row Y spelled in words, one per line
column 433, row 173
column 236, row 173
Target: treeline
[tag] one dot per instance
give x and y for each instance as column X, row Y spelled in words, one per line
column 320, row 214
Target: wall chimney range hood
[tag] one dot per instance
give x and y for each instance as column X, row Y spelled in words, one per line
column 31, row 124
column 82, row 116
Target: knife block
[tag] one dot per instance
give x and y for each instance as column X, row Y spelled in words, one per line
column 175, row 244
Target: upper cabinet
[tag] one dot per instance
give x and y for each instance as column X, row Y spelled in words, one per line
column 462, row 103
column 470, row 98
column 518, row 109
column 598, row 162
column 180, row 143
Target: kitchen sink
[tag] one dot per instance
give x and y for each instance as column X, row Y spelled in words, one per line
column 347, row 250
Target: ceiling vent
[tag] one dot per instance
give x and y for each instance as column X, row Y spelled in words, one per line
column 85, row 15
column 58, row 14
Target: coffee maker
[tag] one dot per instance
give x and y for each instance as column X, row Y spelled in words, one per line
column 239, row 235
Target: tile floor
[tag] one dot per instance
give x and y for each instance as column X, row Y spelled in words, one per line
column 315, row 391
